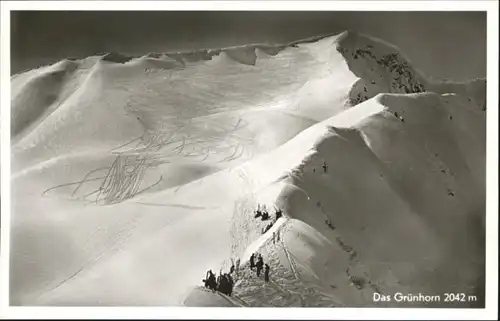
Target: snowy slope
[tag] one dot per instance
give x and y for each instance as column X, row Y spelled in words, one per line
column 133, row 176
column 386, row 193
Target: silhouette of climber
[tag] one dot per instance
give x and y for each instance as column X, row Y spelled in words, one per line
column 211, row 281
column 266, row 273
column 206, row 280
column 260, row 265
column 274, row 237
column 209, row 273
column 212, row 284
column 227, row 285
column 222, row 284
column 220, row 281
column 218, row 284
column 230, row 284
column 252, row 262
column 258, row 212
column 325, row 167
column 279, row 213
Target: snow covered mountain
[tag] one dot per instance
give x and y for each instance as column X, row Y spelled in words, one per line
column 131, row 177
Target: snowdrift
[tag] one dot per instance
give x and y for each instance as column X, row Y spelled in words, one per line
column 132, row 176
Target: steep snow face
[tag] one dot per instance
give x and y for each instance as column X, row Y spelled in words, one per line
column 404, row 199
column 134, row 176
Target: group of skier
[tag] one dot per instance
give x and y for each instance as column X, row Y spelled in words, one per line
column 264, row 215
column 224, row 283
column 259, row 265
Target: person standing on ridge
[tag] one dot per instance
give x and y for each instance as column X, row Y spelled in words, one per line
column 279, row 213
column 325, row 167
column 218, row 282
column 212, row 283
column 231, row 269
column 266, row 273
column 206, row 280
column 260, row 265
column 230, row 284
column 252, row 262
column 258, row 212
column 222, row 284
column 265, row 216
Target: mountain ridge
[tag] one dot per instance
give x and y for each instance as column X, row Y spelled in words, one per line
column 132, row 153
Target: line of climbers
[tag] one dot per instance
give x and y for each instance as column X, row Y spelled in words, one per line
column 224, row 283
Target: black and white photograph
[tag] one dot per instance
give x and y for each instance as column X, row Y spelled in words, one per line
column 216, row 157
